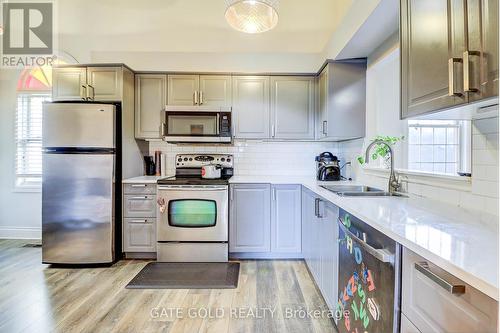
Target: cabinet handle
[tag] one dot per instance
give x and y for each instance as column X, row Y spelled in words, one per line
column 138, row 185
column 273, row 131
column 140, row 198
column 139, row 221
column 316, row 207
column 274, row 194
column 196, row 98
column 83, row 94
column 423, row 267
column 467, row 54
column 324, row 127
column 451, row 77
column 231, row 194
column 201, row 97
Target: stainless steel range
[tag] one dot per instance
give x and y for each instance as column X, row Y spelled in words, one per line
column 193, row 211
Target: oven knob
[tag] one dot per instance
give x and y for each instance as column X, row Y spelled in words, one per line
column 185, row 159
column 190, row 159
column 229, row 160
column 222, row 159
column 179, row 160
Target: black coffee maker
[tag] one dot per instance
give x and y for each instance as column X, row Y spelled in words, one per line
column 327, row 167
column 149, row 165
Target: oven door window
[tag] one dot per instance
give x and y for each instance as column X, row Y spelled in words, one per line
column 192, row 213
column 197, row 125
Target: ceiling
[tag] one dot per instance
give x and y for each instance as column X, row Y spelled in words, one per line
column 304, row 26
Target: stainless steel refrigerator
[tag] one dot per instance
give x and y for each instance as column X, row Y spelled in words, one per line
column 80, row 181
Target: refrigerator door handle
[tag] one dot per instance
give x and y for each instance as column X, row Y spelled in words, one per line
column 382, row 255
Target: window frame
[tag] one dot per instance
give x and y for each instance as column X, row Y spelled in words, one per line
column 20, row 185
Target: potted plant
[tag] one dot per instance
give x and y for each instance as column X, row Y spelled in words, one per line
column 382, row 150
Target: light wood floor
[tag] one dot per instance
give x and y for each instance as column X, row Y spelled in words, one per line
column 37, row 298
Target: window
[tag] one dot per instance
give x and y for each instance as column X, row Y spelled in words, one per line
column 439, row 146
column 29, row 139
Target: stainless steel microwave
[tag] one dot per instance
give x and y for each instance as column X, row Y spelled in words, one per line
column 197, row 124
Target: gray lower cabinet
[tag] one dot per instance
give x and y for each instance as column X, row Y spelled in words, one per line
column 431, row 307
column 250, row 218
column 150, row 100
column 266, row 219
column 407, row 326
column 286, row 220
column 320, row 246
column 139, row 218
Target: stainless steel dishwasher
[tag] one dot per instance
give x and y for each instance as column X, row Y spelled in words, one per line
column 369, row 278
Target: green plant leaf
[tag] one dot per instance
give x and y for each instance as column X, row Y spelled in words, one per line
column 361, row 160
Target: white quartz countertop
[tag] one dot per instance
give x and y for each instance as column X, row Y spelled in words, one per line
column 142, row 180
column 462, row 242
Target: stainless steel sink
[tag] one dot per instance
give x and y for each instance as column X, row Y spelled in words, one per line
column 351, row 188
column 360, row 191
column 371, row 194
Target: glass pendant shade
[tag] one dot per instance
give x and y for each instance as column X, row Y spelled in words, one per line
column 252, row 16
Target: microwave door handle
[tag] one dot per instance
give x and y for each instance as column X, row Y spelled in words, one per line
column 380, row 254
column 217, row 124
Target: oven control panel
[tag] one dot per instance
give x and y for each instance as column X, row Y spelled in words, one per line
column 199, row 160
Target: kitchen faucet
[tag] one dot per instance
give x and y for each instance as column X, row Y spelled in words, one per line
column 394, row 184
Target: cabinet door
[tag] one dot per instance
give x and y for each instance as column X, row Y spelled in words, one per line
column 69, row 83
column 286, row 219
column 105, row 83
column 308, row 216
column 323, row 104
column 407, row 326
column 251, row 107
column 329, row 254
column 482, row 74
column 150, row 100
column 316, row 241
column 183, row 89
column 432, row 308
column 215, row 90
column 139, row 235
column 250, row 218
column 432, row 36
column 292, row 107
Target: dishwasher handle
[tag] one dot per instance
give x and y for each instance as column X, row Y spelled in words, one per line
column 382, row 255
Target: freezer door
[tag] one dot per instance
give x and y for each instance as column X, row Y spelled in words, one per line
column 78, row 208
column 78, row 125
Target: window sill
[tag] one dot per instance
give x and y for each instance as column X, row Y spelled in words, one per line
column 424, row 178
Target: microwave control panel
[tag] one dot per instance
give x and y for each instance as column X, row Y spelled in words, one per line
column 225, row 124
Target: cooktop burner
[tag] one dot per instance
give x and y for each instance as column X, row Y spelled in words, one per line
column 176, row 180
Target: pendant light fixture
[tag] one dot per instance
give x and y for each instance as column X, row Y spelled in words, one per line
column 252, row 16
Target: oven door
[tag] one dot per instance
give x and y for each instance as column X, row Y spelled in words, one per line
column 192, row 213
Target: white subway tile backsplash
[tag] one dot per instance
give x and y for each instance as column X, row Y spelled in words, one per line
column 256, row 157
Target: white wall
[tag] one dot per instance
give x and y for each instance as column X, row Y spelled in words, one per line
column 20, row 212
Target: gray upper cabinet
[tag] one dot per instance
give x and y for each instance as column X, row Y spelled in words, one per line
column 87, row 83
column 452, row 61
column 286, row 213
column 292, row 107
column 481, row 78
column 105, row 83
column 215, row 90
column 251, row 107
column 342, row 100
column 150, row 100
column 183, row 89
column 209, row 90
column 432, row 308
column 69, row 83
column 250, row 218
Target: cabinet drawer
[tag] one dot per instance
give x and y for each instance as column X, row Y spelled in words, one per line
column 432, row 308
column 139, row 206
column 139, row 235
column 139, row 189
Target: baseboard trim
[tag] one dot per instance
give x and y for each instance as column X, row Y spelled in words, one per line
column 264, row 255
column 20, row 232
